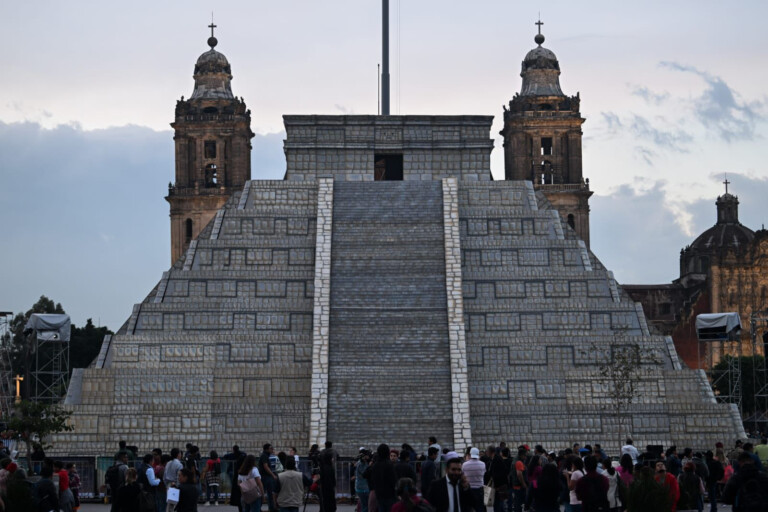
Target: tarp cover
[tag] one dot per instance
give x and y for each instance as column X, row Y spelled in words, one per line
column 725, row 321
column 49, row 326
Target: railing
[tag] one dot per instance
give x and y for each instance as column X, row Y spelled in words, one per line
column 561, row 187
column 92, row 471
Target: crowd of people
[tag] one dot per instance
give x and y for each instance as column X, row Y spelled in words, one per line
column 497, row 478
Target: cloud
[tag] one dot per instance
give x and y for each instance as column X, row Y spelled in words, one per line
column 675, row 140
column 649, row 140
column 87, row 222
column 650, row 96
column 638, row 229
column 720, row 109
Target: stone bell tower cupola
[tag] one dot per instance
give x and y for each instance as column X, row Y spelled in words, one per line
column 542, row 138
column 212, row 134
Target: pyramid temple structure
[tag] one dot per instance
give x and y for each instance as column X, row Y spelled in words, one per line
column 386, row 290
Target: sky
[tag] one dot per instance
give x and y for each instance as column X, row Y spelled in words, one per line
column 673, row 94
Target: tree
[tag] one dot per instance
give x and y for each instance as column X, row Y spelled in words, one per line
column 35, row 421
column 85, row 344
column 752, row 380
column 621, row 368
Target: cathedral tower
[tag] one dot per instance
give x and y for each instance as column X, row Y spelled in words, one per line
column 212, row 134
column 542, row 138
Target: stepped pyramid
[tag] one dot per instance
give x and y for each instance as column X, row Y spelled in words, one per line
column 332, row 306
column 386, row 290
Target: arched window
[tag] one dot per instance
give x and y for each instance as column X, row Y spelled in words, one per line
column 572, row 221
column 188, row 230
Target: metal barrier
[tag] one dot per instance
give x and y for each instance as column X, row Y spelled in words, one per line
column 93, row 470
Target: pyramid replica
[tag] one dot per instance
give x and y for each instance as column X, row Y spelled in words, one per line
column 386, row 290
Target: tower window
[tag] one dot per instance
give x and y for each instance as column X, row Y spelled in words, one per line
column 546, row 145
column 571, row 221
column 210, row 149
column 210, row 110
column 211, row 176
column 388, row 167
column 188, row 230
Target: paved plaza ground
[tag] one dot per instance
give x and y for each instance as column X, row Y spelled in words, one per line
column 99, row 507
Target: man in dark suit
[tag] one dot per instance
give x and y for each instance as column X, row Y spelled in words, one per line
column 445, row 492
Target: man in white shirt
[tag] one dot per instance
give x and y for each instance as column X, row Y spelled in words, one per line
column 631, row 450
column 474, row 470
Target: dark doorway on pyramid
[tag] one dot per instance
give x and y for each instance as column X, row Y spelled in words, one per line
column 388, row 167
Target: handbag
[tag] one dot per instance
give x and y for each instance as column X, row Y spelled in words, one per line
column 172, row 495
column 250, row 491
column 489, row 495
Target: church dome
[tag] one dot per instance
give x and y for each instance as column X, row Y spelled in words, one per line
column 728, row 234
column 540, row 72
column 212, row 75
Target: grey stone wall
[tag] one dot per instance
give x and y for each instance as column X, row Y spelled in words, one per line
column 343, row 147
column 535, row 303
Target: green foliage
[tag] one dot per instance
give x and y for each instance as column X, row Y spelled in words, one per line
column 85, row 344
column 748, row 383
column 35, row 421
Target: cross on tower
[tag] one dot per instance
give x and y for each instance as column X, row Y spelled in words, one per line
column 211, row 26
column 539, row 23
column 726, row 183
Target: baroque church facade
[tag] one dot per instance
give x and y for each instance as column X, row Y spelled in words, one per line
column 386, row 290
column 725, row 269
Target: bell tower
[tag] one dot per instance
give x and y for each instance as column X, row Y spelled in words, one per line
column 212, row 134
column 542, row 138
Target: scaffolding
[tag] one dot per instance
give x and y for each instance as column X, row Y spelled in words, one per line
column 759, row 372
column 48, row 336
column 6, row 368
column 724, row 329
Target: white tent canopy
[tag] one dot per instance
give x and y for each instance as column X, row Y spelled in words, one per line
column 49, row 327
column 717, row 326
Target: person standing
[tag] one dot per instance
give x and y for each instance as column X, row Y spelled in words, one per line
column 382, row 479
column 403, row 467
column 592, row 489
column 290, row 487
column 573, row 474
column 74, row 483
column 66, row 498
column 327, row 482
column 171, row 474
column 519, row 480
column 406, row 491
column 452, row 493
column 629, row 448
column 548, row 489
column 212, row 476
column 669, row 482
column 362, row 488
column 716, row 473
column 188, row 492
column 249, row 471
column 497, row 477
column 429, row 469
column 474, row 470
column 127, row 498
column 267, row 469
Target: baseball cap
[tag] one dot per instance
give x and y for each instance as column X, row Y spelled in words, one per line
column 474, row 453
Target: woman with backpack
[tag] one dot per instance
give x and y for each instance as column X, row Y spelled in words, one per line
column 212, row 477
column 251, row 488
column 691, row 489
column 615, row 486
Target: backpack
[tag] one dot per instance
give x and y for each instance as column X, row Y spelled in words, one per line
column 114, row 478
column 752, row 496
column 596, row 504
column 689, row 491
column 217, row 468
